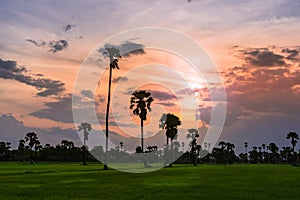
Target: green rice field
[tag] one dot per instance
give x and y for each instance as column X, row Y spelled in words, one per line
column 75, row 181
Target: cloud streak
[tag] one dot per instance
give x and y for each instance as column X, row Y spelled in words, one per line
column 47, row 87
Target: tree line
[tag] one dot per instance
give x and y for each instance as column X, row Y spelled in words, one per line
column 31, row 150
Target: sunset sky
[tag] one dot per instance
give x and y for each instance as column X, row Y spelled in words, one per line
column 254, row 44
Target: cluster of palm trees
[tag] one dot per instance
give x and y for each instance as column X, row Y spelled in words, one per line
column 31, row 150
column 271, row 153
column 140, row 103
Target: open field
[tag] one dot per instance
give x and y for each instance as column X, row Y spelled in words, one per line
column 74, row 181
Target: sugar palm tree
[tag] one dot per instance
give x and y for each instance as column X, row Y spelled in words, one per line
column 140, row 103
column 113, row 54
column 33, row 142
column 294, row 137
column 86, row 127
column 230, row 152
column 170, row 122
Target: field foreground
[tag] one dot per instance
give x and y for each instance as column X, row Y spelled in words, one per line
column 74, row 181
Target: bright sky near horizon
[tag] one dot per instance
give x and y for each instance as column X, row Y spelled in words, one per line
column 255, row 45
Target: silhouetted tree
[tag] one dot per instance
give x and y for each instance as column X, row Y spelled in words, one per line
column 246, row 151
column 222, row 145
column 170, row 122
column 33, row 142
column 113, row 54
column 254, row 155
column 4, row 151
column 86, row 127
column 274, row 153
column 230, row 155
column 121, row 145
column 21, row 150
column 294, row 137
column 140, row 103
column 193, row 134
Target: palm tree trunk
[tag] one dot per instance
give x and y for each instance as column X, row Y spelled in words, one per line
column 294, row 155
column 84, row 153
column 170, row 165
column 106, row 122
column 142, row 135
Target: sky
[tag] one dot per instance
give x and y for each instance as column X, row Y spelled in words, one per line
column 45, row 44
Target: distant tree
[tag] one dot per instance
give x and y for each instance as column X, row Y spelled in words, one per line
column 113, row 54
column 195, row 150
column 230, row 155
column 294, row 138
column 254, row 155
column 246, row 151
column 138, row 149
column 121, row 145
column 85, row 127
column 222, row 152
column 33, row 143
column 4, row 151
column 274, row 156
column 140, row 103
column 21, row 150
column 286, row 154
column 170, row 123
column 193, row 135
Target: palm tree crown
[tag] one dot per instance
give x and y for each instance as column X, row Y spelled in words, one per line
column 86, row 127
column 170, row 122
column 294, row 137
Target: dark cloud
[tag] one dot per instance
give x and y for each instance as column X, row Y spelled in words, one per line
column 262, row 57
column 127, row 48
column 120, row 79
column 60, row 110
column 168, row 104
column 68, row 27
column 87, row 93
column 11, row 66
column 263, row 91
column 186, row 91
column 47, row 87
column 17, row 131
column 59, row 45
column 162, row 96
column 292, row 53
column 37, row 43
column 54, row 46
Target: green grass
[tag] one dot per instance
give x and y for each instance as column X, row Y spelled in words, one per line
column 74, row 181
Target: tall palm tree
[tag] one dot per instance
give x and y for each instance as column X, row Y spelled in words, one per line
column 113, row 54
column 86, row 127
column 140, row 103
column 170, row 122
column 294, row 137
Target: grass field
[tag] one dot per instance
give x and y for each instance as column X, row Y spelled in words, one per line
column 74, row 181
